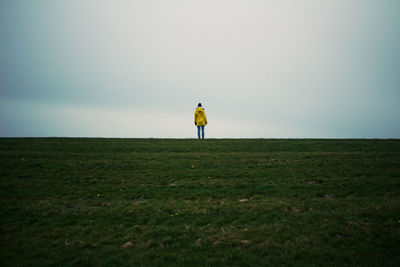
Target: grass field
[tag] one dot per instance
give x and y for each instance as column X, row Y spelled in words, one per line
column 229, row 202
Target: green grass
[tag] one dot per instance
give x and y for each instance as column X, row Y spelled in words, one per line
column 230, row 202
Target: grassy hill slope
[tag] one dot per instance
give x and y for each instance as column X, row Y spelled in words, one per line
column 104, row 202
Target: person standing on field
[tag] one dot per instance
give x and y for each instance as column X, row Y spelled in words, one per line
column 200, row 120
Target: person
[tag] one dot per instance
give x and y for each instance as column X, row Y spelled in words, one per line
column 200, row 120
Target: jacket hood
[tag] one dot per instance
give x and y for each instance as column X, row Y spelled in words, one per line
column 199, row 110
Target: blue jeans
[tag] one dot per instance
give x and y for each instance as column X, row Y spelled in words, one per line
column 202, row 131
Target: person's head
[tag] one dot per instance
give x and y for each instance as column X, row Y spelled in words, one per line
column 199, row 105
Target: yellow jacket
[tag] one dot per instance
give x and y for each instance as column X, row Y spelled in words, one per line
column 200, row 117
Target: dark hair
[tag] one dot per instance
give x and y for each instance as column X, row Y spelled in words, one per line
column 199, row 105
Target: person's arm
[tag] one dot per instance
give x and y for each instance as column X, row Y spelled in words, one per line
column 195, row 117
column 205, row 118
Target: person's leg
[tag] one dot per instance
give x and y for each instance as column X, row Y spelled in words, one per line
column 202, row 131
column 198, row 132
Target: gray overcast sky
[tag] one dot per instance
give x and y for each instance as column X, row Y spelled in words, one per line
column 299, row 68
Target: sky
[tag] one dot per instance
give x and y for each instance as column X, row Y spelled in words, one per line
column 261, row 68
